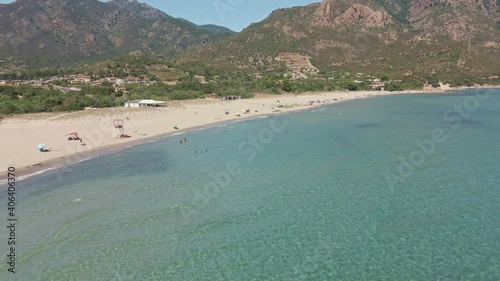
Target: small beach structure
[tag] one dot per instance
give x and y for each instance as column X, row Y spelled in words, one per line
column 145, row 103
column 232, row 97
column 152, row 103
column 132, row 103
column 40, row 147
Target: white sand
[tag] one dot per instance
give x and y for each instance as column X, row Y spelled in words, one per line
column 20, row 134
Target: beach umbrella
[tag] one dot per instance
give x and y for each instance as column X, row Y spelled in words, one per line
column 41, row 146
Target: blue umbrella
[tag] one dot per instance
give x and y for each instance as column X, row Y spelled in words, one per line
column 41, row 147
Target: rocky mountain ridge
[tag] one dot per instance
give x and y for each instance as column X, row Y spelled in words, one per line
column 426, row 37
column 58, row 31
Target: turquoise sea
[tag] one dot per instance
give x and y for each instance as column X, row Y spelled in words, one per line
column 400, row 187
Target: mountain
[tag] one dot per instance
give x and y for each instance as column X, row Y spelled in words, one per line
column 61, row 31
column 211, row 27
column 217, row 29
column 396, row 37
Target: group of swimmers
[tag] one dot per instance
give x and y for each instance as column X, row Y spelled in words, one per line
column 181, row 141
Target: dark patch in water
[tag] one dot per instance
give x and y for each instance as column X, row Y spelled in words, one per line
column 368, row 125
column 470, row 121
column 407, row 112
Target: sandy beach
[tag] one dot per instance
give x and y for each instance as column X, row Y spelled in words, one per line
column 21, row 134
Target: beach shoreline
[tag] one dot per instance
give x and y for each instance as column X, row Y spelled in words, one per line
column 93, row 125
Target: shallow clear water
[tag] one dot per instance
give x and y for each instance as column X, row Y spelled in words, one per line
column 324, row 195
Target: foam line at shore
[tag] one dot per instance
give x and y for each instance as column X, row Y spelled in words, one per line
column 152, row 122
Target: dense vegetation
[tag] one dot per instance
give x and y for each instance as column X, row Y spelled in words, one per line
column 149, row 67
column 25, row 99
column 28, row 99
column 179, row 82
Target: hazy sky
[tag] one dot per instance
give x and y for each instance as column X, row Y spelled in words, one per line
column 235, row 14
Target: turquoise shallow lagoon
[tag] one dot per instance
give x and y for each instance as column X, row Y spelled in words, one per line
column 343, row 192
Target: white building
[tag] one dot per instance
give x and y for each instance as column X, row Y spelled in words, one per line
column 132, row 103
column 152, row 103
column 145, row 103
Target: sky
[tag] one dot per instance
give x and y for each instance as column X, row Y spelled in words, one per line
column 234, row 14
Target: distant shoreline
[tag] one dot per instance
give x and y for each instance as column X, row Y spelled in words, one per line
column 190, row 115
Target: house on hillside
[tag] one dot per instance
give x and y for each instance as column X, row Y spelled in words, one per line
column 39, row 83
column 67, row 89
column 80, row 79
column 19, row 82
column 111, row 80
column 121, row 89
column 378, row 85
column 200, row 78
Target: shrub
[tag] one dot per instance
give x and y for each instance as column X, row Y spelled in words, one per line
column 185, row 95
column 9, row 108
column 272, row 90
